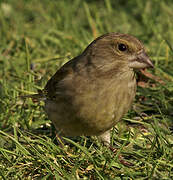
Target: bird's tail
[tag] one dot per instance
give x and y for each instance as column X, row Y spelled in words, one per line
column 39, row 96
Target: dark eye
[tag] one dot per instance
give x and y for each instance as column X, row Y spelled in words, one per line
column 122, row 47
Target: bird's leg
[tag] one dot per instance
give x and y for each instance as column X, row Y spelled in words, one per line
column 60, row 140
column 105, row 138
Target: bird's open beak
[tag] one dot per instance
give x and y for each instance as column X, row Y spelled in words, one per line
column 141, row 61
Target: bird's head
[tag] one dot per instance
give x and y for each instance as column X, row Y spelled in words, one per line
column 120, row 49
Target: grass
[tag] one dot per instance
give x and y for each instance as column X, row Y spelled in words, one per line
column 36, row 38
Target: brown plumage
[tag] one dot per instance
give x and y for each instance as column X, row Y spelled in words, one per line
column 91, row 93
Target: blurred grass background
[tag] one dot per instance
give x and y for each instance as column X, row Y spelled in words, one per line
column 38, row 37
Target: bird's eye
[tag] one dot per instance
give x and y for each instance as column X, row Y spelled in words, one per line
column 122, row 47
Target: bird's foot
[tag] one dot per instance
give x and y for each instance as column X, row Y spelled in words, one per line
column 120, row 157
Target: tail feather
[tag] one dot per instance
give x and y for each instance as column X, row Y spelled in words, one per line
column 34, row 96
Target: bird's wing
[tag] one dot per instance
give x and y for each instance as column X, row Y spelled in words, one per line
column 56, row 86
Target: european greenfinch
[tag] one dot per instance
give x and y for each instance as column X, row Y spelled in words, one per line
column 90, row 94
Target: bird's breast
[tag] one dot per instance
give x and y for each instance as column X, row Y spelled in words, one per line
column 102, row 103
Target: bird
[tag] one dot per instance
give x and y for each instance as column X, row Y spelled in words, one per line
column 91, row 93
